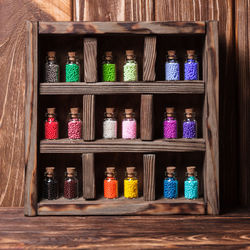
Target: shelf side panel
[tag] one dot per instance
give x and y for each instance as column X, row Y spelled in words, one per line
column 149, row 177
column 90, row 59
column 89, row 117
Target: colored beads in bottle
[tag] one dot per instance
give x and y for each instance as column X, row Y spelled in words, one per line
column 110, row 184
column 72, row 68
column 172, row 67
column 51, row 125
column 191, row 66
column 130, row 184
column 70, row 190
column 170, row 184
column 189, row 124
column 130, row 68
column 191, row 184
column 108, row 68
column 170, row 124
column 50, row 184
column 74, row 124
column 129, row 125
column 51, row 68
column 110, row 124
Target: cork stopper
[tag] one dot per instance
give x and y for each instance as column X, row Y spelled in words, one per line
column 50, row 171
column 51, row 55
column 72, row 55
column 71, row 171
column 130, row 171
column 110, row 171
column 128, row 112
column 130, row 54
column 189, row 112
column 170, row 170
column 108, row 55
column 171, row 54
column 191, row 170
column 110, row 112
column 170, row 111
column 51, row 111
column 74, row 112
column 190, row 54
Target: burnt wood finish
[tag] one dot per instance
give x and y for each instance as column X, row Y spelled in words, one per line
column 102, row 88
column 88, row 117
column 90, row 59
column 146, row 115
column 149, row 58
column 149, row 177
column 31, row 93
column 88, row 176
column 142, row 28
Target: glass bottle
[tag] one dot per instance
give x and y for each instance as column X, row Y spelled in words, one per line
column 108, row 68
column 50, row 184
column 189, row 124
column 170, row 124
column 130, row 68
column 172, row 67
column 110, row 184
column 51, row 68
column 74, row 124
column 109, row 124
column 130, row 183
column 70, row 184
column 170, row 183
column 51, row 125
column 129, row 125
column 191, row 184
column 191, row 66
column 72, row 68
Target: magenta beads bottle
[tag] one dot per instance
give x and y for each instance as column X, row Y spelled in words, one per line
column 51, row 125
column 74, row 124
column 129, row 125
column 170, row 124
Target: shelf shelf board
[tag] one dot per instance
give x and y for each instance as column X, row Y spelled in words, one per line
column 121, row 206
column 100, row 88
column 121, row 145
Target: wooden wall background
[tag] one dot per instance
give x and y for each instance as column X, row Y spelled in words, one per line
column 234, row 31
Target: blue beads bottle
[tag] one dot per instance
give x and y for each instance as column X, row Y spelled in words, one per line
column 191, row 184
column 172, row 67
column 189, row 124
column 191, row 66
column 170, row 183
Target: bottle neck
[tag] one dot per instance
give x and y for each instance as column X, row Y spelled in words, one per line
column 71, row 60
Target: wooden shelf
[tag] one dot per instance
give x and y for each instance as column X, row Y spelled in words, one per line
column 120, row 145
column 121, row 206
column 100, row 88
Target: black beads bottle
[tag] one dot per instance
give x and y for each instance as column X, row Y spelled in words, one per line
column 70, row 184
column 50, row 184
column 51, row 68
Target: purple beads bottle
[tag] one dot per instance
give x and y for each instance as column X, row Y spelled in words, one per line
column 172, row 67
column 189, row 124
column 170, row 124
column 191, row 66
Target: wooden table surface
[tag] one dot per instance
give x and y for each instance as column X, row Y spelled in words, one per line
column 228, row 231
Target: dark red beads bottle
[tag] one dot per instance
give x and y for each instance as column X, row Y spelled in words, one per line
column 70, row 184
column 51, row 125
column 50, row 184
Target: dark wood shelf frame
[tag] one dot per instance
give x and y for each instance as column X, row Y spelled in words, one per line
column 208, row 87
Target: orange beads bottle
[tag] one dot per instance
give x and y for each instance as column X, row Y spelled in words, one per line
column 110, row 184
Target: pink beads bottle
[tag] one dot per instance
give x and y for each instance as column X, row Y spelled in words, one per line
column 129, row 125
column 51, row 125
column 74, row 124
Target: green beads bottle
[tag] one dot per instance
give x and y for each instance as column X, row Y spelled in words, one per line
column 130, row 68
column 108, row 68
column 72, row 68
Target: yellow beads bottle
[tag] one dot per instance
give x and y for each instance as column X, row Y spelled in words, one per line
column 130, row 184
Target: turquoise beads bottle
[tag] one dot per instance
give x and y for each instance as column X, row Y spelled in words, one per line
column 191, row 184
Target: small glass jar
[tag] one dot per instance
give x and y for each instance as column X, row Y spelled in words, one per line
column 172, row 67
column 129, row 125
column 51, row 125
column 130, row 184
column 70, row 184
column 170, row 124
column 189, row 124
column 72, row 68
column 110, row 184
column 170, row 183
column 191, row 184
column 51, row 68
column 109, row 124
column 50, row 184
column 108, row 68
column 74, row 124
column 191, row 66
column 130, row 68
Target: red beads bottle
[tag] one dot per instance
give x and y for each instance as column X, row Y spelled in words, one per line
column 110, row 184
column 51, row 125
column 70, row 184
column 74, row 124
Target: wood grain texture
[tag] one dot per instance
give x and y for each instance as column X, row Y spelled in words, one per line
column 146, row 116
column 88, row 117
column 90, row 59
column 88, row 176
column 149, row 58
column 149, row 177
